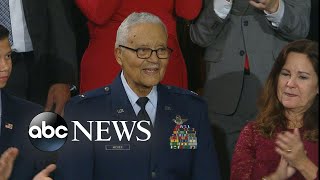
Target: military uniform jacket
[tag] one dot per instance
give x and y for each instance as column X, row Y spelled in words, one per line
column 154, row 159
column 15, row 119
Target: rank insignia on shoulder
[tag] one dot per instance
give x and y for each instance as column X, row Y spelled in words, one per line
column 183, row 137
column 120, row 111
column 178, row 120
column 194, row 93
column 167, row 108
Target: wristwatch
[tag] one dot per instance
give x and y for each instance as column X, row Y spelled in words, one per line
column 73, row 90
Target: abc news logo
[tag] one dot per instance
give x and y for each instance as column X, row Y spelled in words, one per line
column 48, row 131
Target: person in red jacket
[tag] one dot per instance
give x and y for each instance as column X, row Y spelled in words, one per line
column 98, row 65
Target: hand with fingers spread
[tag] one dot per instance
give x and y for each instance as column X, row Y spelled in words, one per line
column 270, row 6
column 44, row 174
column 7, row 162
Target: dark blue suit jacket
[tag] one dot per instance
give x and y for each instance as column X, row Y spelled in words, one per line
column 154, row 159
column 16, row 117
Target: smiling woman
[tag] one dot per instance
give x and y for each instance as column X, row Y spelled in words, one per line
column 297, row 84
column 271, row 147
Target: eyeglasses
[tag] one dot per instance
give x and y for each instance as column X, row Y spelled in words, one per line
column 145, row 53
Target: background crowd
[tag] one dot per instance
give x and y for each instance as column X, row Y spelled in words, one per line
column 224, row 50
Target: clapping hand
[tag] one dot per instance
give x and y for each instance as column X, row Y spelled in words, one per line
column 6, row 162
column 284, row 170
column 290, row 147
column 270, row 6
column 44, row 174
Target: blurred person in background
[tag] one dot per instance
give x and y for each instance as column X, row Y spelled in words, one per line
column 44, row 52
column 242, row 39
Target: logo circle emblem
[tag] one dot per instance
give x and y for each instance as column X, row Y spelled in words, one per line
column 48, row 131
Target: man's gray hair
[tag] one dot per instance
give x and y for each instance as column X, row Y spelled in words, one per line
column 133, row 19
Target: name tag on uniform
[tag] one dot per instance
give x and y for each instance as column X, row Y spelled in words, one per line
column 118, row 147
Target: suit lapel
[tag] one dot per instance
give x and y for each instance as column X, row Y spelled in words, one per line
column 122, row 110
column 163, row 123
column 25, row 8
column 164, row 110
column 121, row 107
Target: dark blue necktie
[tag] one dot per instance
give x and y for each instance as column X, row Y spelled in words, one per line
column 143, row 115
column 5, row 16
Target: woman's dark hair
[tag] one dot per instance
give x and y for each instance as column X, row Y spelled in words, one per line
column 271, row 112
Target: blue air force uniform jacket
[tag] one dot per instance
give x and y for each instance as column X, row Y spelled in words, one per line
column 15, row 119
column 167, row 155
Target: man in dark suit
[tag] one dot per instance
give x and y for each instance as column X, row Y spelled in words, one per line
column 15, row 116
column 44, row 55
column 170, row 137
column 242, row 38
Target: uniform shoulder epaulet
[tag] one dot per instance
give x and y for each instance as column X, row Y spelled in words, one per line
column 91, row 94
column 177, row 90
column 185, row 92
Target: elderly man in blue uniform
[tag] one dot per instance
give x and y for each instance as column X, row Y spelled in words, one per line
column 168, row 133
column 15, row 116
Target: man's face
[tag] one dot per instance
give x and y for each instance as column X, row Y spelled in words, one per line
column 5, row 62
column 143, row 74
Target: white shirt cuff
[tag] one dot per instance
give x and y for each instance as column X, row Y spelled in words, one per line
column 276, row 17
column 222, row 7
